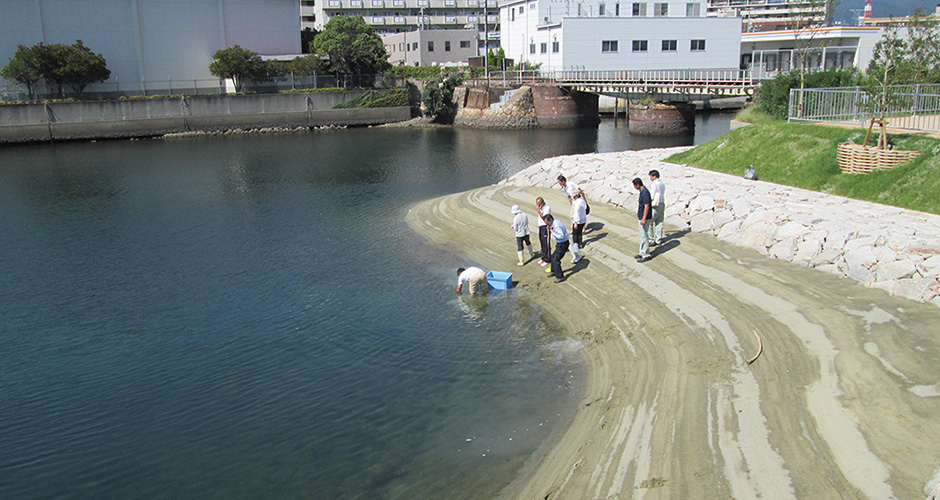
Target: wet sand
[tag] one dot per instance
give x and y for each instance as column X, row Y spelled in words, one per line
column 843, row 401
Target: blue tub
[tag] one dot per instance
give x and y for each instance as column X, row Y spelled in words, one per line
column 499, row 280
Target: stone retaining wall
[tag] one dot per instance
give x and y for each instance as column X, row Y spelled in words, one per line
column 890, row 248
column 538, row 106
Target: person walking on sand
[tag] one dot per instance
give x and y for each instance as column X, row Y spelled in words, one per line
column 658, row 204
column 542, row 210
column 643, row 215
column 578, row 218
column 560, row 234
column 520, row 224
column 476, row 279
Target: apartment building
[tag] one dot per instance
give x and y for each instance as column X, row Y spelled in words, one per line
column 431, row 47
column 773, row 15
column 404, row 16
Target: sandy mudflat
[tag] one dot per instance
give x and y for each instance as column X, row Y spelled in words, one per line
column 843, row 402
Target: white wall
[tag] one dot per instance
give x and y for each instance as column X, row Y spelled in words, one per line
column 149, row 40
column 581, row 38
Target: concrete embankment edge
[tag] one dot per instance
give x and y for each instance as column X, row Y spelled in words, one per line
column 842, row 402
column 45, row 122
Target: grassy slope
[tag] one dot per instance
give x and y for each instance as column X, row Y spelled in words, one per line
column 805, row 156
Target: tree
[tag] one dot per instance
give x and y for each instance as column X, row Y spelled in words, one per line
column 438, row 98
column 238, row 64
column 25, row 67
column 73, row 65
column 352, row 46
column 923, row 39
column 307, row 65
column 888, row 67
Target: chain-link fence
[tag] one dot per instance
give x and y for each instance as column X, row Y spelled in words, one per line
column 11, row 92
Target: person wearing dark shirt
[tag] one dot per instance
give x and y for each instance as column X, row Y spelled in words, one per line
column 643, row 214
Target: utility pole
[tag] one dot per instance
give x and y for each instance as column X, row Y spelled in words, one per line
column 486, row 45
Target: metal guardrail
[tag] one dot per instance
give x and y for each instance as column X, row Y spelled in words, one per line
column 918, row 109
column 677, row 81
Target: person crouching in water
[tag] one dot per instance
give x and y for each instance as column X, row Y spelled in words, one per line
column 520, row 224
column 476, row 279
column 560, row 234
column 578, row 219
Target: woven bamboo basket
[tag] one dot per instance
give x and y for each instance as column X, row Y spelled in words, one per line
column 861, row 159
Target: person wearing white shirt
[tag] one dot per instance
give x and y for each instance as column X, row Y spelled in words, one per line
column 658, row 205
column 520, row 224
column 578, row 218
column 543, row 209
column 570, row 188
column 476, row 279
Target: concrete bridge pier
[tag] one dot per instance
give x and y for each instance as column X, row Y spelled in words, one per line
column 662, row 119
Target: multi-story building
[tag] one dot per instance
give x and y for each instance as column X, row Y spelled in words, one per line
column 610, row 35
column 161, row 47
column 402, row 16
column 769, row 53
column 771, row 15
column 431, row 47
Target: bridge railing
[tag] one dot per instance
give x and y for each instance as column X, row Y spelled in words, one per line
column 917, row 106
column 678, row 77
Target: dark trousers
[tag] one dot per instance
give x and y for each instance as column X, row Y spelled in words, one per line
column 543, row 243
column 576, row 234
column 561, row 248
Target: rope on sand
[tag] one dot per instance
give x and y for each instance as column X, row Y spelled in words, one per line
column 760, row 348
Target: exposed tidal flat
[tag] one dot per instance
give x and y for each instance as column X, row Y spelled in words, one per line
column 841, row 400
column 247, row 316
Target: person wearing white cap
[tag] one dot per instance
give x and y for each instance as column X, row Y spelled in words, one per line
column 520, row 224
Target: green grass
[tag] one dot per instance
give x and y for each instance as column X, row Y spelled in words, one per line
column 804, row 156
column 378, row 99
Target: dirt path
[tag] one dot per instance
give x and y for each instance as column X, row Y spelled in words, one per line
column 843, row 402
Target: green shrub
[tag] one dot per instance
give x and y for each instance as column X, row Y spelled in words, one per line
column 773, row 96
column 378, row 99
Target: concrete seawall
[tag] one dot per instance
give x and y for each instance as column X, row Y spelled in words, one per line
column 45, row 122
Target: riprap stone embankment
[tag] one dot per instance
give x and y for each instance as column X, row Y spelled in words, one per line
column 884, row 247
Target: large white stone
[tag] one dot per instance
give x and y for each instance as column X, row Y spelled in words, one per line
column 731, row 232
column 784, row 249
column 703, row 222
column 791, row 230
column 899, row 269
column 859, row 262
column 758, row 235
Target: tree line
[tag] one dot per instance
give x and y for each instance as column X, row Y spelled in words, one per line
column 57, row 64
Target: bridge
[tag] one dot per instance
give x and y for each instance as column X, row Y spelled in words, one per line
column 674, row 84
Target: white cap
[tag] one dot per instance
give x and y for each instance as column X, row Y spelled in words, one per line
column 516, row 209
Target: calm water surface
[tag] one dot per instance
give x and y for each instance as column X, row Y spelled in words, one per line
column 248, row 317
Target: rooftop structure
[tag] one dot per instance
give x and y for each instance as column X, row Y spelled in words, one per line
column 769, row 53
column 867, row 20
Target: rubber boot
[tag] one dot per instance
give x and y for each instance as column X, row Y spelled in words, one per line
column 576, row 252
column 521, row 259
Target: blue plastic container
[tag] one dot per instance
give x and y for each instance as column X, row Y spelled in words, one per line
column 499, row 280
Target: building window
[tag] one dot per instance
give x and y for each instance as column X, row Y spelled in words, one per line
column 640, row 45
column 378, row 3
column 661, row 9
column 398, row 3
column 521, row 10
column 335, row 3
column 472, row 19
column 401, row 47
column 446, row 45
column 543, row 47
column 608, row 46
column 639, row 9
column 693, row 10
column 532, row 48
column 424, row 3
column 601, row 10
column 669, row 46
column 450, row 3
column 555, row 47
column 430, row 46
column 512, row 14
column 473, row 3
column 616, row 10
column 415, row 46
column 698, row 45
column 465, row 44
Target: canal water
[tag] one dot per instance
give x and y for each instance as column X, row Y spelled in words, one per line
column 247, row 316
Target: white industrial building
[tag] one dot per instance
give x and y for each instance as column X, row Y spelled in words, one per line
column 607, row 35
column 155, row 46
column 431, row 47
column 769, row 53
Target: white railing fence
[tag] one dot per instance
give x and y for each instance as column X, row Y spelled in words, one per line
column 917, row 108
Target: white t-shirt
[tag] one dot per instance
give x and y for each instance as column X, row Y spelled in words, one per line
column 571, row 188
column 657, row 192
column 545, row 210
column 578, row 211
column 467, row 273
column 521, row 224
